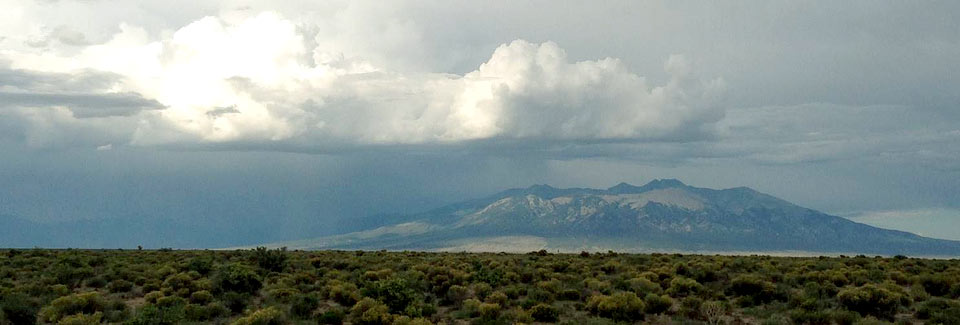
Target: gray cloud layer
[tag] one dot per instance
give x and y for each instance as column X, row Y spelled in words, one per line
column 86, row 94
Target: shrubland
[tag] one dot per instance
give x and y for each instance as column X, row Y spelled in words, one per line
column 279, row 286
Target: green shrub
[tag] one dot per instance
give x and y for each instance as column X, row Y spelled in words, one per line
column 179, row 281
column 498, row 297
column 117, row 311
column 489, row 311
column 270, row 259
column 237, row 278
column 368, row 311
column 754, row 287
column 657, row 304
column 59, row 290
column 918, row 293
column 396, row 292
column 481, row 290
column 170, row 302
column 802, row 316
column 489, row 276
column 470, row 307
column 82, row 319
column 776, row 319
column 70, row 275
column 303, row 306
column 457, row 294
column 643, row 286
column 216, row 309
column 343, row 293
column 682, row 287
column 621, row 306
column 935, row 307
column 80, row 303
column 690, row 306
column 266, row 316
column 18, row 308
column 569, row 295
column 120, row 286
column 420, row 309
column 201, row 297
column 153, row 315
column 152, row 285
column 406, row 320
column 235, row 301
column 196, row 313
column 202, row 265
column 596, row 285
column 844, row 317
column 96, row 282
column 816, row 296
column 283, row 295
column 544, row 313
column 949, row 316
column 540, row 295
column 872, row 300
column 936, row 284
column 166, row 271
column 152, row 297
column 332, row 316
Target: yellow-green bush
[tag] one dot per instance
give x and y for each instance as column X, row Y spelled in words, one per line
column 81, row 303
column 872, row 300
column 266, row 316
column 368, row 311
column 544, row 313
column 82, row 319
column 620, row 306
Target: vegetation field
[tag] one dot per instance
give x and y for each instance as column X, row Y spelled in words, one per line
column 376, row 287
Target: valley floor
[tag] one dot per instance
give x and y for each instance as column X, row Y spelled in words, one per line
column 276, row 286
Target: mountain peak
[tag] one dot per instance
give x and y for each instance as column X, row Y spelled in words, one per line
column 623, row 188
column 664, row 183
column 541, row 187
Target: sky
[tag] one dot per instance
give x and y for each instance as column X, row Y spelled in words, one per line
column 254, row 121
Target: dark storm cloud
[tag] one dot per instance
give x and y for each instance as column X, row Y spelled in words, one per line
column 83, row 105
column 80, row 81
column 82, row 93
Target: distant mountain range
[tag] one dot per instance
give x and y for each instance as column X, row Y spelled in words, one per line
column 661, row 216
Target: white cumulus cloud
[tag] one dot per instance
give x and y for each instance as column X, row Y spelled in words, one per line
column 258, row 78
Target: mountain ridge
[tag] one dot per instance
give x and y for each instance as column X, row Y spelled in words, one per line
column 664, row 214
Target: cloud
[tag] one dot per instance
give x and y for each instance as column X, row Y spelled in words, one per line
column 822, row 131
column 83, row 105
column 86, row 94
column 257, row 80
column 531, row 90
column 253, row 80
column 76, row 81
column 62, row 34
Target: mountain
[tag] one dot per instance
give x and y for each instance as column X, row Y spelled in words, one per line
column 663, row 215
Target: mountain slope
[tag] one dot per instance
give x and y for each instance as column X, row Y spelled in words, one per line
column 663, row 215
